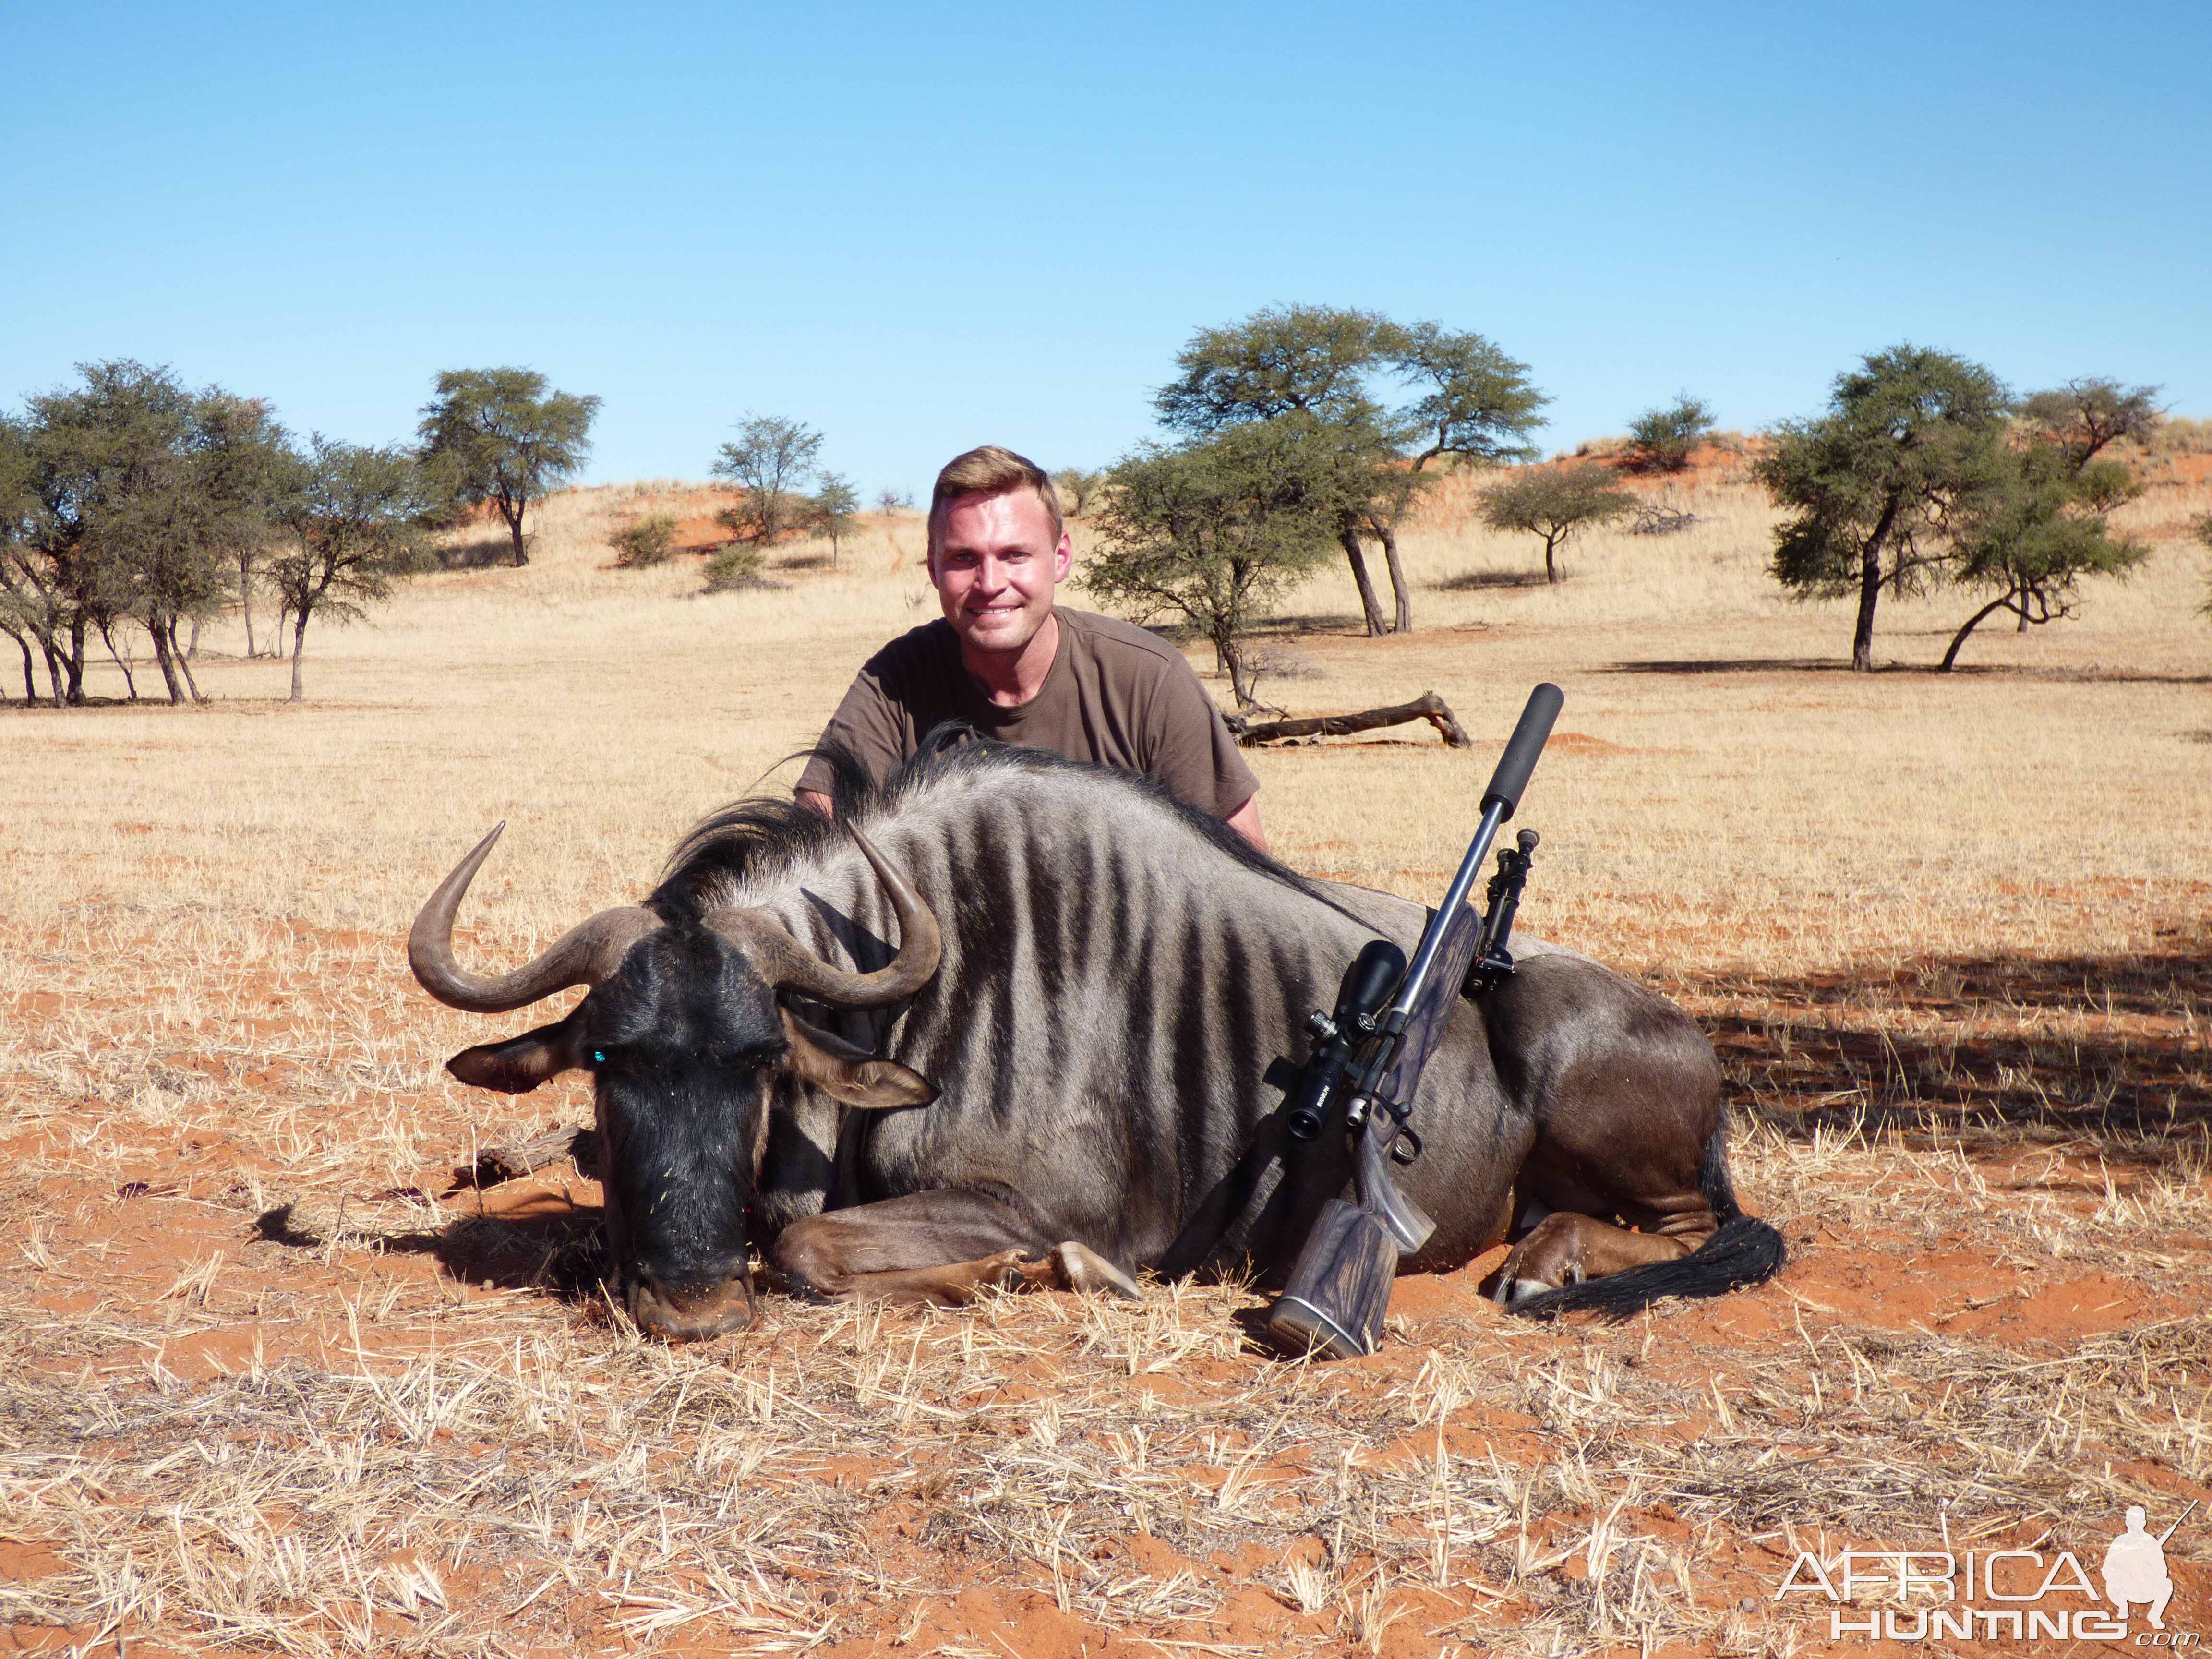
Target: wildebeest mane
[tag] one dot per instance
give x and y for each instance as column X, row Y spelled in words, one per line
column 750, row 837
column 763, row 834
column 956, row 749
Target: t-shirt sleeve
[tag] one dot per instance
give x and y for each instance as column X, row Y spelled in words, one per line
column 870, row 725
column 1195, row 757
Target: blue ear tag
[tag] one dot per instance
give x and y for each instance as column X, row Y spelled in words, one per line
column 598, row 1058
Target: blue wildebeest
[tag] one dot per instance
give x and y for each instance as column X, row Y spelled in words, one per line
column 1012, row 1017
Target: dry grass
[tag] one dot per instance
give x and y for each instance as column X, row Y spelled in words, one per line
column 262, row 1389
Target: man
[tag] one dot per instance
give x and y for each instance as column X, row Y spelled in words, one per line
column 1021, row 669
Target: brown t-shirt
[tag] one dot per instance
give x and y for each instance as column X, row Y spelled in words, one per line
column 1116, row 696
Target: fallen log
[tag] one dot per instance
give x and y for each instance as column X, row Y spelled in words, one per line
column 496, row 1163
column 1427, row 707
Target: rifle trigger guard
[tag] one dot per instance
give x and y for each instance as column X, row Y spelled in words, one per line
column 1405, row 1144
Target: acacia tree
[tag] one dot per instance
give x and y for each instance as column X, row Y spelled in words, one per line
column 1327, row 363
column 835, row 509
column 2083, row 416
column 355, row 522
column 21, row 607
column 2202, row 526
column 1314, row 361
column 130, row 497
column 1554, row 503
column 245, row 470
column 1880, row 488
column 1215, row 531
column 2035, row 541
column 1476, row 402
column 498, row 436
column 1661, row 439
column 2048, row 524
column 770, row 460
column 104, row 465
column 1077, row 488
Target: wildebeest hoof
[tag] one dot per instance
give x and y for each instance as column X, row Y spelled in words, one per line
column 1082, row 1269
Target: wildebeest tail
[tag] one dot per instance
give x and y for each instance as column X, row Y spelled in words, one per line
column 1744, row 1251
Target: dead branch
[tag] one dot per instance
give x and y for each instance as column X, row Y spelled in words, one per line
column 1653, row 520
column 496, row 1163
column 1427, row 707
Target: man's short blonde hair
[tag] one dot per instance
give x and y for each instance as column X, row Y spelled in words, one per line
column 990, row 471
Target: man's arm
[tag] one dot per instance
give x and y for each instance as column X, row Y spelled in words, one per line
column 1245, row 821
column 868, row 726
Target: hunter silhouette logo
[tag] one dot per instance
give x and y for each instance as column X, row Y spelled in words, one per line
column 2135, row 1568
column 2036, row 1597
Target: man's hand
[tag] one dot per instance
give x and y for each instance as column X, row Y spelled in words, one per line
column 815, row 801
column 1245, row 821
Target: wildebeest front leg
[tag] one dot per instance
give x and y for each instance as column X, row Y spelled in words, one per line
column 1626, row 1094
column 1593, row 1200
column 941, row 1247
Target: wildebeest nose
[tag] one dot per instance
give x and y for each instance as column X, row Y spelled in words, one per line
column 691, row 1310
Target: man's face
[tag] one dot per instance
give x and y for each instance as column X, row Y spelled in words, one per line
column 996, row 566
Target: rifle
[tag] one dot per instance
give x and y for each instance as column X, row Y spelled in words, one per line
column 2177, row 1520
column 1369, row 1053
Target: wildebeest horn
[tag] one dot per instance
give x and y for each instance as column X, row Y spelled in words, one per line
column 790, row 966
column 585, row 955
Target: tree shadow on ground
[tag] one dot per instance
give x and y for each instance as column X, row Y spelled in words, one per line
column 1840, row 665
column 479, row 553
column 1288, row 628
column 1474, row 581
column 2108, row 1050
column 1730, row 665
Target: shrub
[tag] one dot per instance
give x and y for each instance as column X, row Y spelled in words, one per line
column 735, row 566
column 648, row 541
column 1661, row 439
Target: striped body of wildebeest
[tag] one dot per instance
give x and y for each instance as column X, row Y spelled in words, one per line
column 1010, row 1017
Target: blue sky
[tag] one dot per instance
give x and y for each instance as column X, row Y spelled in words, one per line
column 918, row 228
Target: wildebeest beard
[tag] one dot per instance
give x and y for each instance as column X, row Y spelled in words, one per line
column 682, row 1043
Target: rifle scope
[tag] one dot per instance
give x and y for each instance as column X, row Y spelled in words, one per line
column 1374, row 973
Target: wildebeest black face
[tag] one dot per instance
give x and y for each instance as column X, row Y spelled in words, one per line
column 683, row 1032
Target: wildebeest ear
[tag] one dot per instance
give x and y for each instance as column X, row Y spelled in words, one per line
column 519, row 1064
column 851, row 1074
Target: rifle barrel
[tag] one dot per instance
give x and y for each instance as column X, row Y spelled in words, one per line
column 1424, row 956
column 2177, row 1520
column 1499, row 801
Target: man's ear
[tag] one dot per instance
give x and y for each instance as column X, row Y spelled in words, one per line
column 851, row 1074
column 1063, row 557
column 519, row 1064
